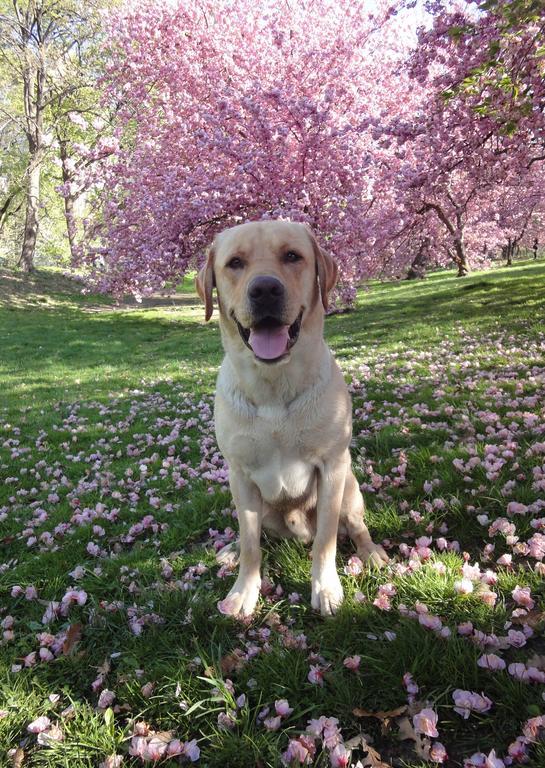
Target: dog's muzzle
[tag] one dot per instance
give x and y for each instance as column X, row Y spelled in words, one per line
column 269, row 338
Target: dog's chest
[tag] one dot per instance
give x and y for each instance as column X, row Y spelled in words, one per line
column 274, row 452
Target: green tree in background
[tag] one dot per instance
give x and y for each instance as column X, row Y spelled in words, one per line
column 49, row 62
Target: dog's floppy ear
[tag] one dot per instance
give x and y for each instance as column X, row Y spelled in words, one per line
column 205, row 282
column 326, row 268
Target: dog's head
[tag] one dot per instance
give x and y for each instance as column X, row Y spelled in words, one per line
column 272, row 281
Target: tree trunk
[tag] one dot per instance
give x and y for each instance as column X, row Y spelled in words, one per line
column 460, row 258
column 30, row 233
column 534, row 248
column 459, row 255
column 5, row 211
column 69, row 201
column 509, row 253
column 70, row 225
column 418, row 266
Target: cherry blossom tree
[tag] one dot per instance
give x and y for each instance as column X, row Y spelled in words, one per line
column 470, row 139
column 240, row 110
column 317, row 112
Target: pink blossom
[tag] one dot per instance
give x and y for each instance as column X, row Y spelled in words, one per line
column 487, row 596
column 515, row 508
column 174, row 748
column 429, row 621
column 410, row 685
column 522, row 596
column 491, row 661
column 283, row 708
column 39, row 725
column 225, row 606
column 426, row 722
column 382, row 601
column 438, row 753
column 106, row 699
column 518, row 750
column 315, row 676
column 472, row 572
column 516, row 639
column 354, row 566
column 191, row 750
column 147, row 689
column 272, row 723
column 297, row 752
column 463, row 586
column 227, row 720
column 537, row 546
column 534, row 728
column 352, row 663
column 466, row 702
column 465, row 628
column 339, row 756
column 517, row 670
column 112, row 761
column 331, row 734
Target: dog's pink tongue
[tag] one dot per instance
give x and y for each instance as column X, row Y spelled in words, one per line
column 269, row 343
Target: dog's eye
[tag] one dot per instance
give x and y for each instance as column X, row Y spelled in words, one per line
column 291, row 257
column 235, row 263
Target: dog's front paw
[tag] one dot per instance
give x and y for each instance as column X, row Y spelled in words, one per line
column 374, row 555
column 327, row 592
column 242, row 598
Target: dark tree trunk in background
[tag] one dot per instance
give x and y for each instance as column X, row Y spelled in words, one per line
column 32, row 42
column 508, row 253
column 418, row 266
column 456, row 232
column 30, row 232
column 460, row 258
column 69, row 200
column 510, row 250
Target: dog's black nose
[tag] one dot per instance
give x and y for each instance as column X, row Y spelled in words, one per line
column 266, row 292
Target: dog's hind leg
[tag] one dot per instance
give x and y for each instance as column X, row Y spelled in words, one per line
column 352, row 512
column 301, row 524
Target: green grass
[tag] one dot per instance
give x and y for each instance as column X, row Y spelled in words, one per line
column 91, row 392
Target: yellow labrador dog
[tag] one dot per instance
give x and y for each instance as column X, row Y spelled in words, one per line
column 283, row 412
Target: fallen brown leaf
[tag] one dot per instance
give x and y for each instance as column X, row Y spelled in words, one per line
column 406, row 730
column 103, row 668
column 422, row 744
column 381, row 714
column 532, row 619
column 17, row 758
column 232, row 662
column 72, row 637
column 536, row 661
column 362, row 739
column 165, row 736
column 370, row 758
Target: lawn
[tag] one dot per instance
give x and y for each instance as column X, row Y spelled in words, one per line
column 114, row 498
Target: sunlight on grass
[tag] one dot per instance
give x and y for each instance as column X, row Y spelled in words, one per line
column 114, row 498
